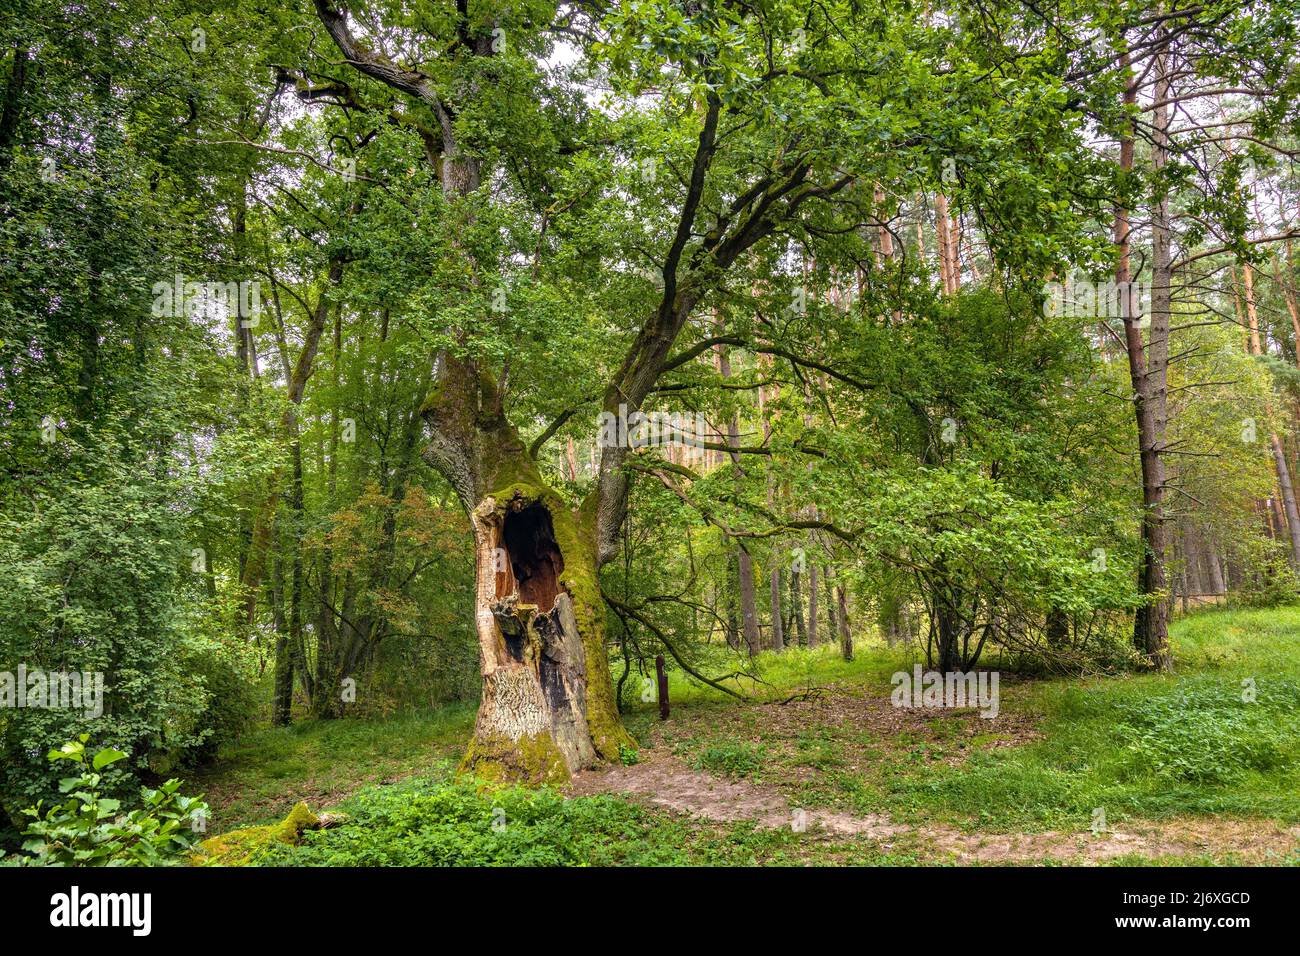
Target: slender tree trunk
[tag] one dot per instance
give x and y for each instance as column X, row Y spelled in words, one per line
column 297, row 383
column 812, row 600
column 832, row 612
column 282, row 679
column 1215, row 568
column 296, row 519
column 12, row 108
column 1058, row 628
column 1289, row 295
column 1148, row 373
column 846, row 632
column 744, row 595
column 730, row 604
column 328, row 696
column 796, row 607
column 774, row 589
column 1285, row 489
column 943, row 233
column 1252, row 317
column 777, row 640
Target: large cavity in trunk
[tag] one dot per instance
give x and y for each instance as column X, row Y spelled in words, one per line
column 535, row 560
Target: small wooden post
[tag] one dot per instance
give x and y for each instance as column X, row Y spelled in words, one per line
column 663, row 686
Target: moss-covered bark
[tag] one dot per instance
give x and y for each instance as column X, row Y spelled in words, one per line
column 241, row 847
column 548, row 705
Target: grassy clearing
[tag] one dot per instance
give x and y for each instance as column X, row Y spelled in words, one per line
column 1146, row 747
column 260, row 779
column 433, row 820
column 1170, row 749
column 1140, row 747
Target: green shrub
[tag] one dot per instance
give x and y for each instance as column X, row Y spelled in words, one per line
column 1273, row 585
column 93, row 584
column 731, row 758
column 90, row 830
column 1206, row 733
column 227, row 668
column 425, row 822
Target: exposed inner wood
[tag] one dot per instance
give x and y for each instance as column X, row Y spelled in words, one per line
column 534, row 558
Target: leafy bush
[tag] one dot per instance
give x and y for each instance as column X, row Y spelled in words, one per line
column 89, row 830
column 1206, row 732
column 94, row 584
column 1273, row 585
column 227, row 667
column 732, row 758
column 425, row 822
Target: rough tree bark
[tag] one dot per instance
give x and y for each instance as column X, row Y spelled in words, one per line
column 796, row 607
column 1147, row 370
column 1285, row 489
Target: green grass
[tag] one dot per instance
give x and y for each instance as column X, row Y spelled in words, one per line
column 258, row 780
column 778, row 676
column 1145, row 746
column 434, row 820
column 1142, row 747
column 730, row 759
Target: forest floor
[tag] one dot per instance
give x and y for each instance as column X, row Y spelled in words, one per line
column 818, row 767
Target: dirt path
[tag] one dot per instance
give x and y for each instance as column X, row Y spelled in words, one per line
column 664, row 781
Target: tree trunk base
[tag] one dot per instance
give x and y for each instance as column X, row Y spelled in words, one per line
column 540, row 623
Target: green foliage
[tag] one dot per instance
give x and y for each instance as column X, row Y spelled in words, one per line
column 93, row 581
column 1074, row 761
column 90, row 829
column 1147, row 746
column 1204, row 732
column 960, row 463
column 424, row 822
column 732, row 758
column 250, row 783
column 1273, row 583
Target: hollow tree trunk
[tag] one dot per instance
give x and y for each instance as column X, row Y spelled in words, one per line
column 547, row 707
